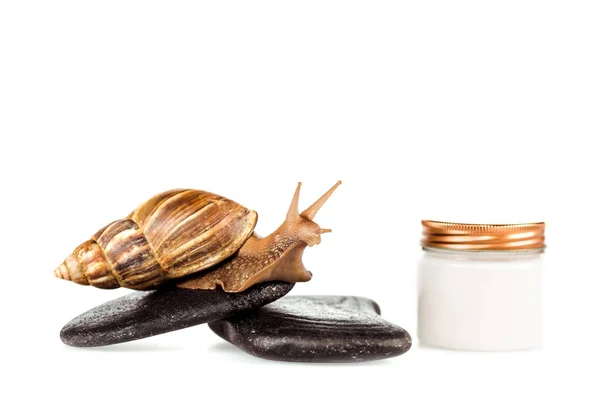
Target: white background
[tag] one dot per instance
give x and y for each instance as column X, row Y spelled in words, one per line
column 472, row 111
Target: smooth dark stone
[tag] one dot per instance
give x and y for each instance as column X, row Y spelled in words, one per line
column 315, row 329
column 143, row 314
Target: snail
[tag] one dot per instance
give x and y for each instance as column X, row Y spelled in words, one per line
column 196, row 240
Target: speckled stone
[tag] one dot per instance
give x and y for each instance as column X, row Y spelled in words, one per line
column 143, row 314
column 315, row 329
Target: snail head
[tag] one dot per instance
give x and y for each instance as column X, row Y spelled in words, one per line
column 301, row 225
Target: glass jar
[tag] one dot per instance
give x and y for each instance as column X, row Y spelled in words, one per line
column 480, row 286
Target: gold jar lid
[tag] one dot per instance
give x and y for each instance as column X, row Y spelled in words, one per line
column 480, row 237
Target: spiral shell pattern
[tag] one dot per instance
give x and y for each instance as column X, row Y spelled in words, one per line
column 174, row 234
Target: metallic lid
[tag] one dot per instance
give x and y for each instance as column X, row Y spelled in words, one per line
column 479, row 237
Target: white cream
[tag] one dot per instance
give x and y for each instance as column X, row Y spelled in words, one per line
column 480, row 300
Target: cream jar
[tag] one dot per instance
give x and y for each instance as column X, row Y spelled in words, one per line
column 480, row 286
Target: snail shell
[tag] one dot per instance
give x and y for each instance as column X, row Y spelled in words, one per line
column 172, row 235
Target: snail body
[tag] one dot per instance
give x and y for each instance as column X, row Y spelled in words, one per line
column 197, row 240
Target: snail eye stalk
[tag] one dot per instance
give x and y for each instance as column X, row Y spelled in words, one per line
column 311, row 211
column 292, row 213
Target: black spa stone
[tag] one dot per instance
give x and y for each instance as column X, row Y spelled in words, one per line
column 315, row 329
column 142, row 314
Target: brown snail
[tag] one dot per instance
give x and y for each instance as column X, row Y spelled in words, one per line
column 197, row 239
